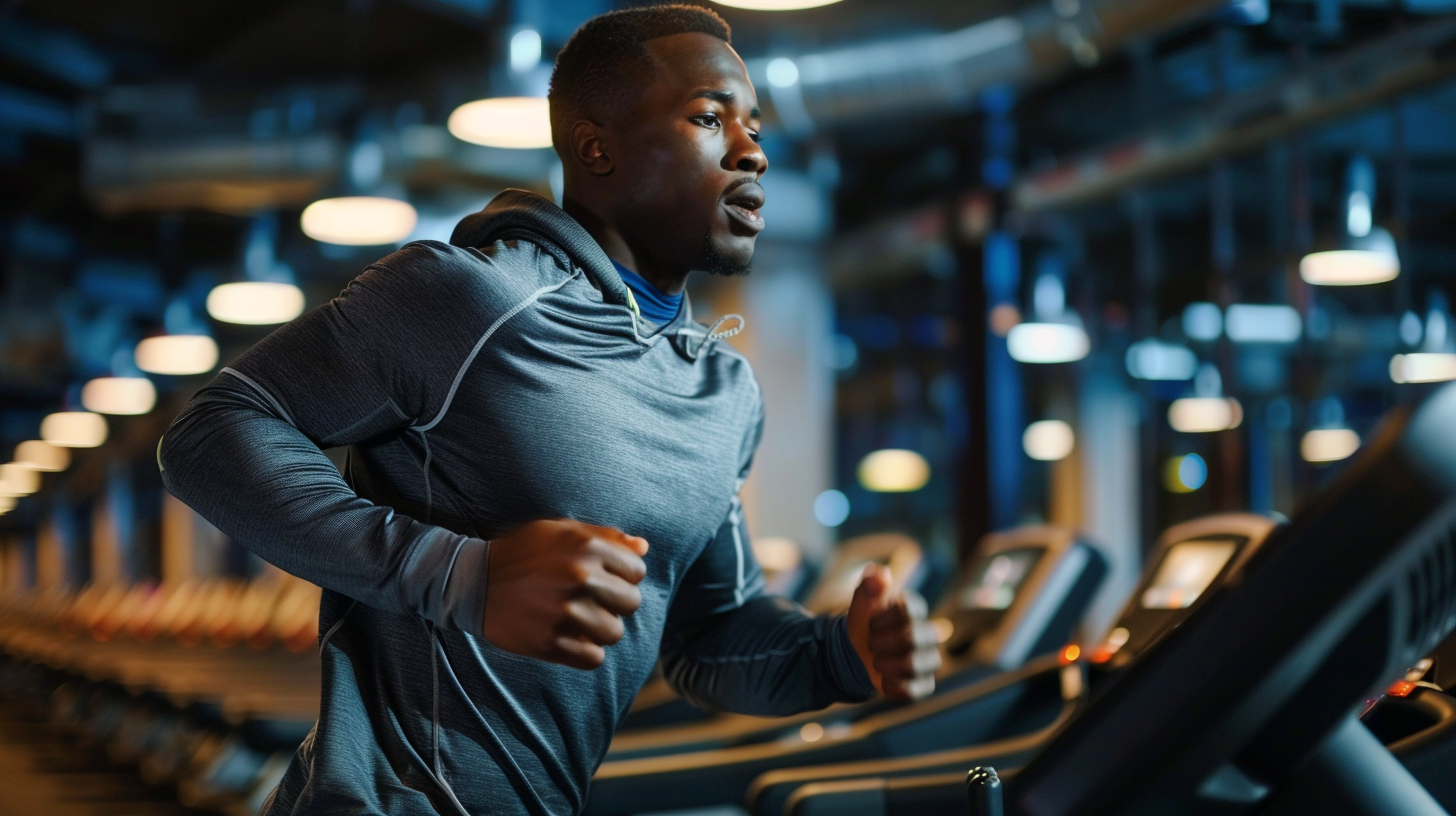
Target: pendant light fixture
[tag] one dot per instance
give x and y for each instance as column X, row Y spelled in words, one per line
column 1056, row 335
column 1435, row 359
column 893, row 470
column 268, row 294
column 17, row 480
column 177, row 354
column 775, row 5
column 369, row 210
column 1207, row 411
column 1330, row 440
column 359, row 220
column 74, row 429
column 42, row 456
column 1049, row 440
column 122, row 396
column 519, row 119
column 1366, row 253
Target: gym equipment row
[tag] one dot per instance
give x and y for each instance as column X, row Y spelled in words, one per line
column 1297, row 668
column 206, row 687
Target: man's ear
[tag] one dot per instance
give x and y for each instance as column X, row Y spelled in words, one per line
column 589, row 148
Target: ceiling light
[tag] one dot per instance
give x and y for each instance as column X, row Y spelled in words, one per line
column 1328, row 444
column 782, row 72
column 894, row 470
column 831, row 508
column 1047, row 343
column 1048, row 440
column 776, row 554
column 255, row 303
column 1370, row 258
column 1155, row 360
column 1250, row 323
column 506, row 121
column 775, row 5
column 18, row 480
column 1205, row 414
column 1359, row 219
column 177, row 354
column 126, row 396
column 358, row 220
column 74, row 429
column 1185, row 474
column 525, row 50
column 1423, row 367
column 1202, row 321
column 38, row 455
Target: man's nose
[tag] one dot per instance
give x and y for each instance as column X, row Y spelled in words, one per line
column 747, row 155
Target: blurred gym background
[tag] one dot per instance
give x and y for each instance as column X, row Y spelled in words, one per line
column 1106, row 264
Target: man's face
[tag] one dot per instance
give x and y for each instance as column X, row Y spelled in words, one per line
column 688, row 161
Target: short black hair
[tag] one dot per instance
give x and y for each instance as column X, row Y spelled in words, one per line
column 607, row 58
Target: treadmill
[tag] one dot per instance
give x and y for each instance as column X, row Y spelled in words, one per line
column 1021, row 596
column 1188, row 560
column 658, row 705
column 1251, row 705
column 1054, row 576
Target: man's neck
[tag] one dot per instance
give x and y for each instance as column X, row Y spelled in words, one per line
column 667, row 281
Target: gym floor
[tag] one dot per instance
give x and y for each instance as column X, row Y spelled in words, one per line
column 43, row 773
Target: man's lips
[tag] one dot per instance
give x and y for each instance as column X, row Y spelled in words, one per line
column 743, row 204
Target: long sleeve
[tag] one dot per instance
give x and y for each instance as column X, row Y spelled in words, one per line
column 379, row 359
column 730, row 647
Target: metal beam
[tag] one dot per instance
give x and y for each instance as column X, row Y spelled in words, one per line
column 1318, row 93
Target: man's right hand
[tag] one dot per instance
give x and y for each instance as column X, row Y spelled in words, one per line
column 557, row 590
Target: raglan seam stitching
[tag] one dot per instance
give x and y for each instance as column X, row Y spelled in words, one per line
column 480, row 344
column 266, row 394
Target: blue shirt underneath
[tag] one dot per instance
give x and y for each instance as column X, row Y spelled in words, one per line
column 655, row 306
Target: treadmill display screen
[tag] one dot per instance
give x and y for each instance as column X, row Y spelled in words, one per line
column 1000, row 578
column 850, row 577
column 1186, row 571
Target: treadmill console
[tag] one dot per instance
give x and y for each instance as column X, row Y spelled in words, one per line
column 841, row 575
column 1018, row 597
column 1188, row 560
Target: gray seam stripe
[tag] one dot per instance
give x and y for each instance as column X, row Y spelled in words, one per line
column 735, row 518
column 479, row 344
column 261, row 390
column 324, row 641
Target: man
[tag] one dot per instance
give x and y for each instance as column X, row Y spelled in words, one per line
column 544, row 454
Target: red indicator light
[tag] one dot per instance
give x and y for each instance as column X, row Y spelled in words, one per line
column 1401, row 688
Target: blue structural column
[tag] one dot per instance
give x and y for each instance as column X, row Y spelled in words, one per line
column 988, row 260
column 1002, row 275
column 1004, row 400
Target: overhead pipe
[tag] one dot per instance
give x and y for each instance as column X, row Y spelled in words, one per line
column 231, row 174
column 936, row 72
column 236, row 173
column 1323, row 91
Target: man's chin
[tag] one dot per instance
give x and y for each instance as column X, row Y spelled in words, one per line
column 717, row 261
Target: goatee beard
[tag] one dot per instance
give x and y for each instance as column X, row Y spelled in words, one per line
column 716, row 263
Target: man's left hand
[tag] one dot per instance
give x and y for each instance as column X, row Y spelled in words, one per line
column 892, row 637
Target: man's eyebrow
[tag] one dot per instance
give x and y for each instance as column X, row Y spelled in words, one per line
column 726, row 97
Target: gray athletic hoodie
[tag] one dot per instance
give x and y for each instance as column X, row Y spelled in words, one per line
column 499, row 379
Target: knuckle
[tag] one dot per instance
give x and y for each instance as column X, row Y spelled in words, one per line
column 580, row 572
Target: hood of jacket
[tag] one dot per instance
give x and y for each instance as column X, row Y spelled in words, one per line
column 525, row 215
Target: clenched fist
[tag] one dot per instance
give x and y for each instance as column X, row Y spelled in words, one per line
column 892, row 637
column 558, row 590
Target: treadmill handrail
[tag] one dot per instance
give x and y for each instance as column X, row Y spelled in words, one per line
column 994, row 752
column 863, row 729
column 1262, row 635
